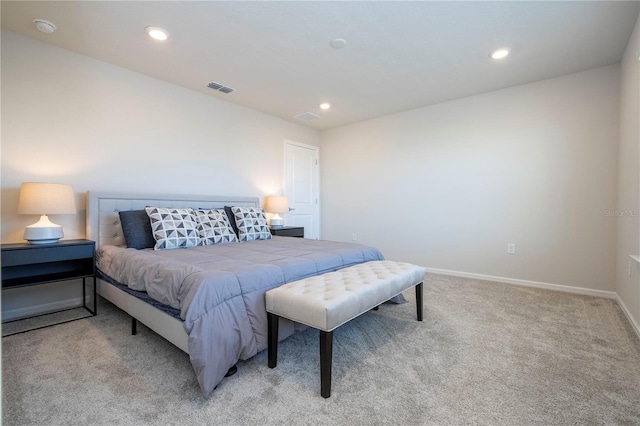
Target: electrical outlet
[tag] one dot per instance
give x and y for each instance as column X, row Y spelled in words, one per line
column 511, row 248
column 354, row 237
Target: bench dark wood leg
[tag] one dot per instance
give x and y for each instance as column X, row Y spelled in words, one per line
column 326, row 354
column 272, row 339
column 419, row 301
column 134, row 326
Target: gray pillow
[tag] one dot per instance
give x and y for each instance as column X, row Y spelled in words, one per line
column 214, row 227
column 232, row 219
column 251, row 223
column 136, row 228
column 173, row 228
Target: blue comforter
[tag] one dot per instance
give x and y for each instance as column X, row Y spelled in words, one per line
column 220, row 289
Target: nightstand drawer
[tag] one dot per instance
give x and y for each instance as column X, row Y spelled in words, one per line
column 288, row 231
column 21, row 256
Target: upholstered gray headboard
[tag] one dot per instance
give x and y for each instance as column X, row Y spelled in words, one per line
column 103, row 221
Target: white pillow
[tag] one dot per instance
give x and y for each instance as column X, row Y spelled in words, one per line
column 173, row 228
column 251, row 223
column 214, row 227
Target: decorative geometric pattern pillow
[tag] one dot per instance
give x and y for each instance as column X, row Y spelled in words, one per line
column 214, row 227
column 173, row 228
column 251, row 223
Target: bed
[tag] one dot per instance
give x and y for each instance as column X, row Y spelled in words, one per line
column 212, row 296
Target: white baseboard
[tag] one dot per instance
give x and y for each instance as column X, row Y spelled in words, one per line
column 526, row 283
column 59, row 305
column 632, row 321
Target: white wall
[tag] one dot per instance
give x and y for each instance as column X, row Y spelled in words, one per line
column 448, row 186
column 67, row 118
column 628, row 285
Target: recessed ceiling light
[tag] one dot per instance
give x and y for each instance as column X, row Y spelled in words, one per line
column 499, row 53
column 325, row 105
column 338, row 43
column 157, row 33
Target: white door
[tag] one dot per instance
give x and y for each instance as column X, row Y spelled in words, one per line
column 302, row 187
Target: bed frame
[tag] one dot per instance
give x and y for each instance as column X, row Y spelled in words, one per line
column 103, row 227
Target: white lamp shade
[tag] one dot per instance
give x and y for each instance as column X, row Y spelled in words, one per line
column 277, row 204
column 46, row 198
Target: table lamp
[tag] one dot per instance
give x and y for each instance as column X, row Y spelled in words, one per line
column 276, row 204
column 44, row 199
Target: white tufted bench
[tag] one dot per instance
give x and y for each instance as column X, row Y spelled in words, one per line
column 327, row 301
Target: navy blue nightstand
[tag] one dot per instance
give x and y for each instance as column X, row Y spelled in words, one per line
column 32, row 264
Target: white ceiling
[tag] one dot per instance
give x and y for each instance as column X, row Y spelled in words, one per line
column 399, row 55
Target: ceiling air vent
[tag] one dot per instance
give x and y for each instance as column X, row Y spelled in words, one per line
column 219, row 87
column 307, row 116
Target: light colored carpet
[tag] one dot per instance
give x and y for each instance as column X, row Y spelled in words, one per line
column 486, row 353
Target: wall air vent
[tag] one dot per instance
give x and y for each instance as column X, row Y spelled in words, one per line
column 219, row 87
column 307, row 116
